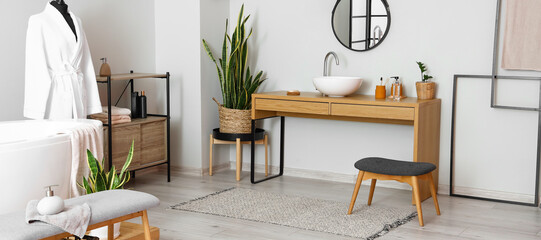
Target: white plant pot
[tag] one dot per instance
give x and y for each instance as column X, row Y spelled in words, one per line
column 101, row 232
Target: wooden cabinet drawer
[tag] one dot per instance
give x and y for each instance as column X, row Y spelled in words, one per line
column 292, row 106
column 370, row 111
column 153, row 142
column 150, row 135
column 122, row 140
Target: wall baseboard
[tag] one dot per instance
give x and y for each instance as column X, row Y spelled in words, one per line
column 443, row 189
column 217, row 168
column 188, row 170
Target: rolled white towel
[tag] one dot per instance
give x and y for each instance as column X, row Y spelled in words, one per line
column 117, row 110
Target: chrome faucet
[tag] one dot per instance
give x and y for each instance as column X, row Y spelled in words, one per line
column 325, row 62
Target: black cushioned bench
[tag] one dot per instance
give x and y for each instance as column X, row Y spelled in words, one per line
column 387, row 169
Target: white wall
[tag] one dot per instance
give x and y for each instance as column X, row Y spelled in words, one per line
column 177, row 35
column 213, row 15
column 180, row 26
column 126, row 38
column 291, row 44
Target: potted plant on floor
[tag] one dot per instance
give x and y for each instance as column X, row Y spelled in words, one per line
column 100, row 180
column 236, row 80
column 425, row 88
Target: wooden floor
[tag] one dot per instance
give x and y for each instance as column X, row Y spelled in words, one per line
column 460, row 218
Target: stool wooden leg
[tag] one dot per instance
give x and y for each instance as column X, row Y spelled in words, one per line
column 111, row 231
column 371, row 194
column 356, row 191
column 210, row 154
column 146, row 226
column 434, row 193
column 266, row 156
column 417, row 195
column 239, row 154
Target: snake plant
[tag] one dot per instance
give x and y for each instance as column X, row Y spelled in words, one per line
column 99, row 180
column 236, row 81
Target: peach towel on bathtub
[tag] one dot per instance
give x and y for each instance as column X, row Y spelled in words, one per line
column 87, row 135
column 522, row 40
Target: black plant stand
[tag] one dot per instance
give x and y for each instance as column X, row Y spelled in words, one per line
column 256, row 135
column 259, row 134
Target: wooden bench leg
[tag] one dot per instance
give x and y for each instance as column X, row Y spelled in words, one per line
column 356, row 191
column 239, row 155
column 417, row 195
column 210, row 154
column 111, row 231
column 434, row 193
column 371, row 194
column 146, row 226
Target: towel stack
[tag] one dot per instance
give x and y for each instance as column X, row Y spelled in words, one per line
column 118, row 115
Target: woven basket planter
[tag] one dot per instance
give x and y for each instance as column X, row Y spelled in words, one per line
column 235, row 120
column 425, row 90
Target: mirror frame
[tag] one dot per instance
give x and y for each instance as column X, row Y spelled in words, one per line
column 385, row 4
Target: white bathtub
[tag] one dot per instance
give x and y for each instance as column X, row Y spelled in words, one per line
column 33, row 154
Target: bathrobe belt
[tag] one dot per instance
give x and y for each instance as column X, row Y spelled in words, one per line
column 73, row 74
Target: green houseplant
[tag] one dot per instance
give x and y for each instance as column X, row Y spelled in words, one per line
column 236, row 80
column 100, row 180
column 422, row 67
column 425, row 88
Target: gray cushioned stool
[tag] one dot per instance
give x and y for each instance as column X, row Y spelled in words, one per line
column 107, row 207
column 386, row 169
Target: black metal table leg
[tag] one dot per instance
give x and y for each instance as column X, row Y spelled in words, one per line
column 252, row 170
column 109, row 125
column 168, row 127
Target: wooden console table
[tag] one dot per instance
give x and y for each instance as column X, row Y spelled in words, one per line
column 423, row 115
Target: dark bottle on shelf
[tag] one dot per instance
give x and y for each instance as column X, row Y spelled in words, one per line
column 134, row 103
column 143, row 105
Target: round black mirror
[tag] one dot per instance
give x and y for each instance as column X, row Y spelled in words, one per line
column 361, row 25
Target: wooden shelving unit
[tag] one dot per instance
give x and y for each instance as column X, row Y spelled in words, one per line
column 152, row 135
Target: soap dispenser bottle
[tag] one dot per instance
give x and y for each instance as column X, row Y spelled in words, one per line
column 50, row 204
column 396, row 88
column 105, row 69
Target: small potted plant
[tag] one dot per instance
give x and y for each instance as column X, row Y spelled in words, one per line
column 425, row 88
column 100, row 180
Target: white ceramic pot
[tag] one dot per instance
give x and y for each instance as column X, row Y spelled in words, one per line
column 101, row 232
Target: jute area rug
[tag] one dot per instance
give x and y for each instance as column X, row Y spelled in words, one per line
column 366, row 222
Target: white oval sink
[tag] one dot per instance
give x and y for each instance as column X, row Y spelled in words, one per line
column 336, row 86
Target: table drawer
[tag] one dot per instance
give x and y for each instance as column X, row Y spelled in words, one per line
column 292, row 106
column 370, row 111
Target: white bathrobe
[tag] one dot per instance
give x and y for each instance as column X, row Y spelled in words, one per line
column 60, row 81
